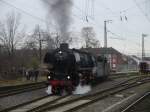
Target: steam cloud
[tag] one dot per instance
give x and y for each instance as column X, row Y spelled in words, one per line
column 49, row 90
column 60, row 10
column 82, row 89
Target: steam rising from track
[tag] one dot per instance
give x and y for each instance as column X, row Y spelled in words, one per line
column 82, row 89
column 60, row 9
column 79, row 89
column 48, row 91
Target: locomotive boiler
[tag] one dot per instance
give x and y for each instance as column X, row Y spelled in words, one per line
column 69, row 67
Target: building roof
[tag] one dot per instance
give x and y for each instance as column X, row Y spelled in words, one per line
column 146, row 58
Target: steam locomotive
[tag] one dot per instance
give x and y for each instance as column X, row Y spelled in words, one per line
column 71, row 67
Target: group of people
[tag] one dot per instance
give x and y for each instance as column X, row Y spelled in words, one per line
column 32, row 74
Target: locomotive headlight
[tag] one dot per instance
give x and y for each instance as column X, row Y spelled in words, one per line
column 49, row 77
column 68, row 77
column 60, row 52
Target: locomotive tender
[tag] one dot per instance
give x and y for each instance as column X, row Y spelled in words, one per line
column 71, row 67
column 144, row 67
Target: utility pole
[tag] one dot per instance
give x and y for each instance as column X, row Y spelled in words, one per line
column 40, row 47
column 105, row 32
column 143, row 50
column 143, row 54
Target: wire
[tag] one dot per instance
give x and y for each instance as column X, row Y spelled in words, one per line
column 27, row 13
column 92, row 9
column 101, row 26
column 37, row 18
column 96, row 22
column 116, row 36
column 84, row 13
column 137, row 4
column 124, row 16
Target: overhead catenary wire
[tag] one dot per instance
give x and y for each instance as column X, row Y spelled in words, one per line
column 146, row 16
column 124, row 15
column 93, row 8
column 116, row 36
column 117, row 13
column 25, row 12
column 35, row 17
column 94, row 20
column 101, row 26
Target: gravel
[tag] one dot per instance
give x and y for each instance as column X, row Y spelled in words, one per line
column 21, row 98
column 130, row 94
column 29, row 96
column 108, row 84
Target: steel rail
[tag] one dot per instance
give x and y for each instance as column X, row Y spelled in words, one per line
column 49, row 105
column 106, row 95
column 84, row 97
column 22, row 89
column 135, row 102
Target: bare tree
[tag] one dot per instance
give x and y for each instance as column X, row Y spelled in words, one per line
column 37, row 39
column 10, row 35
column 53, row 40
column 89, row 36
column 31, row 46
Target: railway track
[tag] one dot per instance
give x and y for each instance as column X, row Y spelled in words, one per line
column 8, row 91
column 83, row 101
column 132, row 107
column 49, row 103
column 35, row 104
column 123, row 74
column 12, row 90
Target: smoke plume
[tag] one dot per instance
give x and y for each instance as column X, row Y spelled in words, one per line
column 60, row 10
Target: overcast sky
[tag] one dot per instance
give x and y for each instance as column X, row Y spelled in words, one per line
column 125, row 35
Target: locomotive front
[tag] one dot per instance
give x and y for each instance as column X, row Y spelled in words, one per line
column 71, row 67
column 60, row 64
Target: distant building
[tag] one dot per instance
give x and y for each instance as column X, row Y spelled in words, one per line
column 118, row 61
column 146, row 58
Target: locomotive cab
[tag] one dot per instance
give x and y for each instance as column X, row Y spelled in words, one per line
column 103, row 68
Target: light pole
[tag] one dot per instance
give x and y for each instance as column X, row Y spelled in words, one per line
column 105, row 32
column 143, row 50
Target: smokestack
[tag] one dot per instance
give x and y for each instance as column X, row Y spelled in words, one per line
column 61, row 12
column 64, row 46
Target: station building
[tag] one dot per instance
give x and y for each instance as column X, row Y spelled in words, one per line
column 118, row 61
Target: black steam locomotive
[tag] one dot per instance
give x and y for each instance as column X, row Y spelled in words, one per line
column 69, row 67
